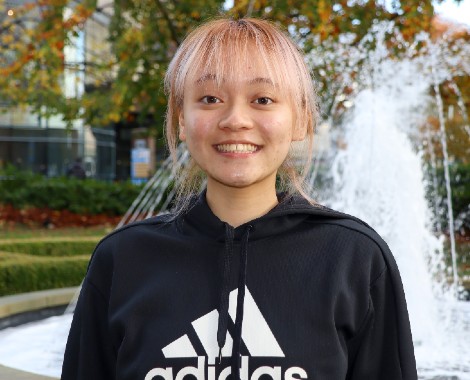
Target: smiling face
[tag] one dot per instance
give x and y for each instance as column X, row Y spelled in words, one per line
column 238, row 128
column 238, row 92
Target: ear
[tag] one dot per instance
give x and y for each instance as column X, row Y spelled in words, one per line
column 182, row 134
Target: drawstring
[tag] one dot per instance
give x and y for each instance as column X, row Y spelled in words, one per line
column 224, row 298
column 225, row 290
column 237, row 335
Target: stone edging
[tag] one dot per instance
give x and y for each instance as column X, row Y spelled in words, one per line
column 27, row 302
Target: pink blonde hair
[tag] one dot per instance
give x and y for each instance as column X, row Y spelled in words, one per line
column 227, row 45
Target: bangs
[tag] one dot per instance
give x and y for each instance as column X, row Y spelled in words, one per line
column 226, row 50
column 231, row 63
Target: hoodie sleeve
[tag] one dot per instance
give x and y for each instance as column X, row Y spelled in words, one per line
column 89, row 354
column 383, row 348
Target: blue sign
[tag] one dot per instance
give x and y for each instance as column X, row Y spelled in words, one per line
column 140, row 165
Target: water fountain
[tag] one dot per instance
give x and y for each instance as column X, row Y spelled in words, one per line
column 377, row 176
column 389, row 194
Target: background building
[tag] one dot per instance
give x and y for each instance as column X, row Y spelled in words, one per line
column 47, row 145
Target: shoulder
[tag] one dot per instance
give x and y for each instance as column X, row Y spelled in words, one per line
column 334, row 221
column 350, row 225
column 131, row 229
column 361, row 252
column 124, row 245
column 357, row 242
column 135, row 234
column 355, row 228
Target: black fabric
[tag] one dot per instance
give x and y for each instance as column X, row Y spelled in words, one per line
column 225, row 289
column 237, row 336
column 303, row 292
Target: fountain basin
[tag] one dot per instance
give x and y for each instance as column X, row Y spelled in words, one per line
column 23, row 308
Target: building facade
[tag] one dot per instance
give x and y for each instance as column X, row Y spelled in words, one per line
column 47, row 145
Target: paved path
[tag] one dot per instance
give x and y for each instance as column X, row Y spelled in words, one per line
column 7, row 373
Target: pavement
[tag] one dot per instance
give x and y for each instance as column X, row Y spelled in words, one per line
column 13, row 306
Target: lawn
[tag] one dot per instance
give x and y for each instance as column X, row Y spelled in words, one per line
column 20, row 232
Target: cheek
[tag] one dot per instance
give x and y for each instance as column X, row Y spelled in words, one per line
column 198, row 133
column 279, row 131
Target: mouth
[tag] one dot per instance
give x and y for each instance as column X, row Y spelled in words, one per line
column 237, row 148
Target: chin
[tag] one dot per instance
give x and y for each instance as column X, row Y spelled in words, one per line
column 238, row 182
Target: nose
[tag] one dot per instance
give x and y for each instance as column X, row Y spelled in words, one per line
column 236, row 117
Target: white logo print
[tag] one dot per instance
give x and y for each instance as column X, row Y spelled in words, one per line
column 256, row 334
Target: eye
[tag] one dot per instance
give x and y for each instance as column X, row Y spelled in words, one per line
column 264, row 101
column 210, row 99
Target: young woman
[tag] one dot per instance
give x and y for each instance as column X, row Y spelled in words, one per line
column 242, row 281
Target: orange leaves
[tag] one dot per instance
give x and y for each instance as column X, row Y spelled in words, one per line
column 324, row 10
column 76, row 19
column 52, row 3
column 82, row 11
column 59, row 45
column 6, row 39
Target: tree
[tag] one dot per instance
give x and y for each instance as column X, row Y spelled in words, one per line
column 32, row 40
column 124, row 82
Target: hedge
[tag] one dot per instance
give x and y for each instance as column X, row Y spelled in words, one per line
column 28, row 265
column 50, row 248
column 25, row 273
column 22, row 189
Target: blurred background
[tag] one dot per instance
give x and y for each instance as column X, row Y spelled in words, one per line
column 82, row 145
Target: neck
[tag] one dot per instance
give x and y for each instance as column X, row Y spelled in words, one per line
column 237, row 206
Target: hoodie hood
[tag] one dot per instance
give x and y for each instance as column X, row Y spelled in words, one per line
column 199, row 221
column 292, row 210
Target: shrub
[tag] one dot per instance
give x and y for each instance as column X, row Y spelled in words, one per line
column 25, row 273
column 90, row 197
column 50, row 248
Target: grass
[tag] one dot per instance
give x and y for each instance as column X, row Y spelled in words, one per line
column 50, row 248
column 20, row 232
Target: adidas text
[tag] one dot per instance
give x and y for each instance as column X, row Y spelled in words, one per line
column 276, row 372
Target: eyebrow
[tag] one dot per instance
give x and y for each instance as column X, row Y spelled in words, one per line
column 205, row 78
column 261, row 80
column 257, row 80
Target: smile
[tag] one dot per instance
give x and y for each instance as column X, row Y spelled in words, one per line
column 237, row 148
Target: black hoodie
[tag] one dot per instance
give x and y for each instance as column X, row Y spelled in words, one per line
column 303, row 292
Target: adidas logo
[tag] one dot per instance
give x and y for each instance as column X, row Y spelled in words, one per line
column 256, row 335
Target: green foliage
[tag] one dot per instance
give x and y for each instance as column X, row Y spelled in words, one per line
column 24, row 273
column 463, row 257
column 13, row 182
column 53, row 248
column 19, row 232
column 460, row 185
column 37, row 264
column 26, row 277
column 133, row 46
column 92, row 197
column 460, row 182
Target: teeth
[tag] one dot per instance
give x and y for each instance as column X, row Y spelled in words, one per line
column 237, row 148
